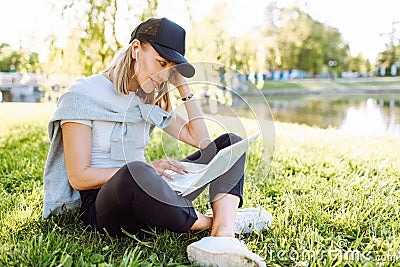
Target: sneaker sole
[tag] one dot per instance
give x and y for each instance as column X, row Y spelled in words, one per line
column 201, row 257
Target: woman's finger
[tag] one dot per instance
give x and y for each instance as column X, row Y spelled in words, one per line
column 177, row 169
column 177, row 166
column 166, row 174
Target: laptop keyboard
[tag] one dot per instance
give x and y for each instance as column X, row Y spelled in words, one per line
column 184, row 180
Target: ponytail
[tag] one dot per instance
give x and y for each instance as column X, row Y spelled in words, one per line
column 120, row 68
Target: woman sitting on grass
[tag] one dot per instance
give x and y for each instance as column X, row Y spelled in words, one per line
column 98, row 135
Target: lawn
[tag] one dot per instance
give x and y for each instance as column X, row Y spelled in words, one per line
column 335, row 200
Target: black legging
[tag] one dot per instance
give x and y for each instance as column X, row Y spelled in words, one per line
column 137, row 198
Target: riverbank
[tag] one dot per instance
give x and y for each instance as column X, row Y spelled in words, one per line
column 356, row 86
column 303, row 87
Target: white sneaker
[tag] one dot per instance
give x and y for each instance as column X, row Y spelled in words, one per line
column 249, row 219
column 222, row 251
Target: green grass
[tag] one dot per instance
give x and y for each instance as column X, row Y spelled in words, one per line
column 332, row 196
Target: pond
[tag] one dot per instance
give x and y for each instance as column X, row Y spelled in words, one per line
column 353, row 114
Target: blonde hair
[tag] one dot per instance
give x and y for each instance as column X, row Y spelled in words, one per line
column 121, row 66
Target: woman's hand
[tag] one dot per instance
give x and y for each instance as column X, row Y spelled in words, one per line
column 175, row 78
column 163, row 166
column 193, row 130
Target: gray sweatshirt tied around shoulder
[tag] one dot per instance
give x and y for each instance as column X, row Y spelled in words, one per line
column 59, row 196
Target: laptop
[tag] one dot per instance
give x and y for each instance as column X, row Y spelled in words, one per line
column 202, row 174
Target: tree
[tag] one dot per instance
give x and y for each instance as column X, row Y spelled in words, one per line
column 213, row 46
column 336, row 51
column 93, row 40
column 391, row 55
column 64, row 60
column 358, row 64
column 98, row 42
column 300, row 42
column 149, row 11
column 218, row 45
column 20, row 60
column 8, row 57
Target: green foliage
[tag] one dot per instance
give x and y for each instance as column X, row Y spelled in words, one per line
column 288, row 39
column 392, row 52
column 93, row 42
column 304, row 43
column 18, row 60
column 388, row 57
column 219, row 45
column 66, row 59
column 149, row 11
column 332, row 196
column 291, row 39
column 97, row 40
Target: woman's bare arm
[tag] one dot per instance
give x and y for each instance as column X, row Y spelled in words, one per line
column 194, row 131
column 77, row 140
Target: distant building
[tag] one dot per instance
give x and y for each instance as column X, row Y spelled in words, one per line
column 18, row 87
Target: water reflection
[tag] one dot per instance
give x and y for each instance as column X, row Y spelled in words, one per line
column 316, row 111
column 223, row 91
column 356, row 114
column 369, row 118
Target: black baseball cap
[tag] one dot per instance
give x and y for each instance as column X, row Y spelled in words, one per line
column 168, row 39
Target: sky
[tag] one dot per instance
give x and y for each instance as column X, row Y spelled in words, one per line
column 364, row 24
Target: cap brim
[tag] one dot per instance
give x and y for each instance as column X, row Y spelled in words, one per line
column 183, row 66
